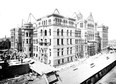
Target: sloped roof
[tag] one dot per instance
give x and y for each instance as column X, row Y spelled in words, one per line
column 41, row 68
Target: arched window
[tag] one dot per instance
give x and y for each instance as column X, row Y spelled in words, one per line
column 58, row 42
column 58, row 32
column 62, row 41
column 45, row 41
column 58, row 52
column 67, row 32
column 30, row 34
column 41, row 40
column 62, row 51
column 62, row 32
column 45, row 32
column 56, row 20
column 41, row 32
column 70, row 41
column 46, row 22
column 26, row 34
column 50, row 42
column 70, row 32
column 50, row 32
column 49, row 21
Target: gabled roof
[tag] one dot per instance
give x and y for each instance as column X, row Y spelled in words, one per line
column 56, row 11
column 78, row 16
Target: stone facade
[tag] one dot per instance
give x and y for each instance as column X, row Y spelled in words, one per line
column 57, row 40
column 103, row 33
column 27, row 39
column 16, row 39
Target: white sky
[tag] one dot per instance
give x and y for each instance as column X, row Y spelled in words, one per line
column 13, row 11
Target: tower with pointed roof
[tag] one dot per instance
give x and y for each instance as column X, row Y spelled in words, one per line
column 90, row 18
column 91, row 35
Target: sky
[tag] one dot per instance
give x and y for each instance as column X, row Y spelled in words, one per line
column 13, row 11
